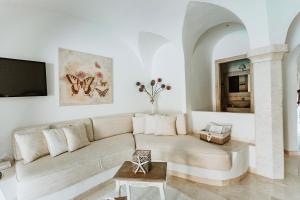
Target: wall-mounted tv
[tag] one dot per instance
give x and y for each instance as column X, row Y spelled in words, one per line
column 21, row 78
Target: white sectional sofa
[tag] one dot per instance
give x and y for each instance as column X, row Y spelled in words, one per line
column 112, row 142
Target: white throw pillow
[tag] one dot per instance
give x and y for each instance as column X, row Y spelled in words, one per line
column 76, row 137
column 226, row 128
column 57, row 142
column 216, row 129
column 150, row 124
column 138, row 125
column 165, row 125
column 32, row 145
column 181, row 124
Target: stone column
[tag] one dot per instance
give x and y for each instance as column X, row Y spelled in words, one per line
column 267, row 88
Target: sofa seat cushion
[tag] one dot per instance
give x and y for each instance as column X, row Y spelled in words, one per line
column 69, row 168
column 185, row 149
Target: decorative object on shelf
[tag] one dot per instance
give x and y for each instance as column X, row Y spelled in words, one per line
column 85, row 79
column 156, row 87
column 216, row 133
column 141, row 161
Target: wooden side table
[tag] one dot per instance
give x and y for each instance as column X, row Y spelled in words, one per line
column 156, row 177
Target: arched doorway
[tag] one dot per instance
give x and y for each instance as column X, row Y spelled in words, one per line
column 291, row 80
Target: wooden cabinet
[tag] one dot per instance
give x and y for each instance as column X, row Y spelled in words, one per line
column 234, row 85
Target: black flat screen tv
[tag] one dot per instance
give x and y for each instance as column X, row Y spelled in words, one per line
column 21, row 78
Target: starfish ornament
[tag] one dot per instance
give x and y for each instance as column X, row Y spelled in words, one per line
column 140, row 164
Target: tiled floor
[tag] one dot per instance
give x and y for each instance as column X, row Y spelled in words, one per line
column 250, row 188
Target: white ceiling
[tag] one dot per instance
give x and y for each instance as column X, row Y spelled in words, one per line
column 200, row 17
column 107, row 10
column 162, row 17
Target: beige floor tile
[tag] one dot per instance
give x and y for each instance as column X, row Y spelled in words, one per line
column 252, row 187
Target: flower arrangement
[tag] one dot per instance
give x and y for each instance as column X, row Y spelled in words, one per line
column 156, row 87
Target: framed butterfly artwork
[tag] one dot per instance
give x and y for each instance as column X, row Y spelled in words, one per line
column 84, row 79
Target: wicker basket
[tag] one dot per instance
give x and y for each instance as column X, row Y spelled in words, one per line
column 141, row 156
column 215, row 137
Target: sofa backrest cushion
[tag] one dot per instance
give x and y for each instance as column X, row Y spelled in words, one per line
column 29, row 130
column 32, row 146
column 76, row 137
column 56, row 141
column 108, row 126
column 165, row 125
column 150, row 124
column 138, row 124
column 87, row 122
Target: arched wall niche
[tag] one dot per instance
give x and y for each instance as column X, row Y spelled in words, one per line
column 221, row 41
column 291, row 66
column 205, row 26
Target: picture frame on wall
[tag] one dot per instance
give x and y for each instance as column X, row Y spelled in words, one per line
column 84, row 79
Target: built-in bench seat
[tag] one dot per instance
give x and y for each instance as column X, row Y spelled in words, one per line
column 186, row 150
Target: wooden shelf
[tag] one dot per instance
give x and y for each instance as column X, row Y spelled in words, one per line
column 234, row 94
column 240, row 110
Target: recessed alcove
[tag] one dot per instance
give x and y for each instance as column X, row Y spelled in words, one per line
column 234, row 85
column 213, row 37
column 221, row 37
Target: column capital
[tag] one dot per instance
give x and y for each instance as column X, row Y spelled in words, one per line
column 269, row 53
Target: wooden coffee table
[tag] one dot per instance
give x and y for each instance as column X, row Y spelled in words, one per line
column 156, row 177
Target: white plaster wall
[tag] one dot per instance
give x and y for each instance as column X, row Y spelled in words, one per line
column 243, row 124
column 148, row 44
column 280, row 23
column 252, row 157
column 167, row 64
column 36, row 34
column 233, row 44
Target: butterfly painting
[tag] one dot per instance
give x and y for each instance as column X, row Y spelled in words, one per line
column 85, row 79
column 77, row 84
column 102, row 93
column 103, row 83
